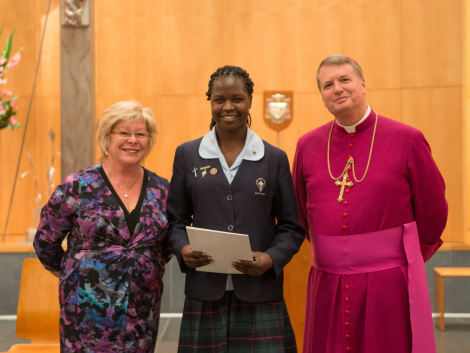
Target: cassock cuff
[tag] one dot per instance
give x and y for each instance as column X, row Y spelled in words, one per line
column 428, row 250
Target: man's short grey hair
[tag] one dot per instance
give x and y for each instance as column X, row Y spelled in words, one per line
column 338, row 59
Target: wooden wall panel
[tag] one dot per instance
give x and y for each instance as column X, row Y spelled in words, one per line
column 177, row 124
column 312, row 31
column 192, row 41
column 373, row 39
column 27, row 18
column 387, row 102
column 309, row 113
column 252, row 39
column 467, row 160
column 466, row 53
column 258, row 125
column 295, row 290
column 48, row 81
column 427, row 110
column 19, row 16
column 433, row 32
column 10, row 142
column 129, row 37
column 47, row 110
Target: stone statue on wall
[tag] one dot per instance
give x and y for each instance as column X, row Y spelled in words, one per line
column 73, row 11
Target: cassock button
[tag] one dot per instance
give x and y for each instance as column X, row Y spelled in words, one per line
column 348, row 286
column 347, row 323
column 348, row 348
column 351, row 156
column 345, row 214
column 348, row 179
column 349, row 168
column 352, row 135
column 348, row 191
column 351, row 145
column 346, row 311
column 348, row 275
column 347, row 202
column 347, row 336
column 230, row 227
column 229, row 197
column 347, row 299
column 345, row 227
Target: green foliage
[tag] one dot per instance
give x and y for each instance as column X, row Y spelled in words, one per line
column 6, row 52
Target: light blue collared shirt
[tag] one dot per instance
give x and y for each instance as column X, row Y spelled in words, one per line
column 253, row 151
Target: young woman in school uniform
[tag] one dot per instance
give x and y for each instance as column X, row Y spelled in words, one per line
column 230, row 180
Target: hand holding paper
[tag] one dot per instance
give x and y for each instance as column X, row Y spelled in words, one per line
column 216, row 251
column 256, row 268
column 194, row 259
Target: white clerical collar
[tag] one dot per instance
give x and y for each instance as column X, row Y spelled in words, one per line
column 253, row 150
column 352, row 128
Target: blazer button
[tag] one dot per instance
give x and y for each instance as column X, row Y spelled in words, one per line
column 229, row 197
column 230, row 227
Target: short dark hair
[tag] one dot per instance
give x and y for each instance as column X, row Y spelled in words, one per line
column 228, row 70
column 338, row 59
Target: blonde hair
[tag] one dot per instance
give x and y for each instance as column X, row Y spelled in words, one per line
column 127, row 111
column 338, row 59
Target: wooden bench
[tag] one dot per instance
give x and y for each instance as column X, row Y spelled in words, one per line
column 38, row 310
column 439, row 274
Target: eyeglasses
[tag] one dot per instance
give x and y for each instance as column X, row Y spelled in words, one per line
column 127, row 135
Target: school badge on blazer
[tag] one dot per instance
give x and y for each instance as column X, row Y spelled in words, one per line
column 260, row 183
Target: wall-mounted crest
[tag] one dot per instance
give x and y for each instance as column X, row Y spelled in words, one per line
column 278, row 109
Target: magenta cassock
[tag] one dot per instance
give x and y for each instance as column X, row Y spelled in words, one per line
column 366, row 312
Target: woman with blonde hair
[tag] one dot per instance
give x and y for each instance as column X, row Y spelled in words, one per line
column 114, row 214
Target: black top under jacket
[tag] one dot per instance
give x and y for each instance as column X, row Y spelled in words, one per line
column 269, row 218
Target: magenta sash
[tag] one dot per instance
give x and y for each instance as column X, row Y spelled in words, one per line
column 378, row 251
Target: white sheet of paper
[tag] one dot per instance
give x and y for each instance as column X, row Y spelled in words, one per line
column 223, row 247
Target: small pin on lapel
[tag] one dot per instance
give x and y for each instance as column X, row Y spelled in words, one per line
column 204, row 171
column 254, row 152
column 194, row 171
column 214, row 171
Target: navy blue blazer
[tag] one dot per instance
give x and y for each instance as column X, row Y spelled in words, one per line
column 269, row 218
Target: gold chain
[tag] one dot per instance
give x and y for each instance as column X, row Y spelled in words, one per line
column 120, row 187
column 351, row 160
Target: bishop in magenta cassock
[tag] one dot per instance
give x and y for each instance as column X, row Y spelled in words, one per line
column 372, row 202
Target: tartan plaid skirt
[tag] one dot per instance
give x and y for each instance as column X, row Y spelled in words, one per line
column 233, row 325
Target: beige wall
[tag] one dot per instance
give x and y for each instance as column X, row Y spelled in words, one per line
column 27, row 18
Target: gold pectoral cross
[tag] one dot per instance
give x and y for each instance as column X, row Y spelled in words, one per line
column 343, row 184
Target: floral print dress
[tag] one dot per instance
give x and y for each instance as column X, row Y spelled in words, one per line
column 111, row 279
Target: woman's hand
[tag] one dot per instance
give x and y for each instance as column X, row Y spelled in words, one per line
column 55, row 273
column 195, row 259
column 262, row 262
